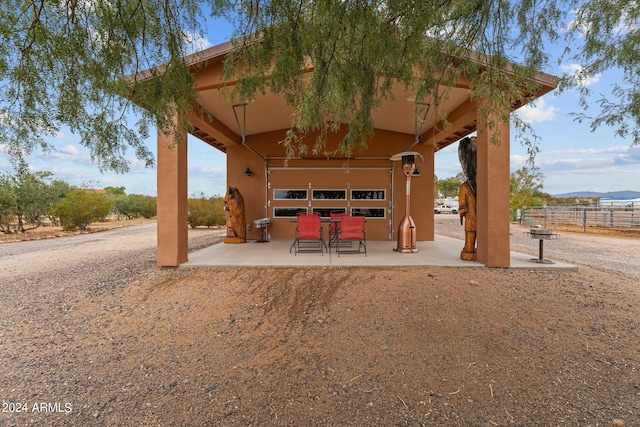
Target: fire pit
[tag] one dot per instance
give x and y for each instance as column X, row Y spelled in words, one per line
column 541, row 234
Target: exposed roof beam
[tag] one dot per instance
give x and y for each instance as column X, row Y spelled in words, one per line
column 211, row 130
column 459, row 123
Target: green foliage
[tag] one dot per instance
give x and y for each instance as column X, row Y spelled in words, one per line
column 115, row 191
column 526, row 189
column 358, row 50
column 76, row 63
column 28, row 198
column 135, row 205
column 82, row 207
column 70, row 63
column 125, row 205
column 7, row 203
column 147, row 205
column 608, row 35
column 449, row 187
column 207, row 212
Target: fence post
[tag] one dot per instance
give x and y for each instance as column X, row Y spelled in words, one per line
column 611, row 218
column 584, row 220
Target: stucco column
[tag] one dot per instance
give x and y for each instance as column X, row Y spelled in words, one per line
column 492, row 193
column 172, row 200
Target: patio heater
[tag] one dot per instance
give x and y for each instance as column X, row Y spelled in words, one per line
column 407, row 236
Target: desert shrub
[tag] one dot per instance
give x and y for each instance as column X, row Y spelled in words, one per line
column 206, row 212
column 147, row 205
column 124, row 205
column 7, row 204
column 80, row 208
column 219, row 214
column 134, row 205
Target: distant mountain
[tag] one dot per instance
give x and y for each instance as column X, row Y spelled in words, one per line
column 595, row 195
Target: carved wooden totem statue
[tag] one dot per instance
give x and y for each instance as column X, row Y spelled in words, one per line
column 236, row 224
column 467, row 151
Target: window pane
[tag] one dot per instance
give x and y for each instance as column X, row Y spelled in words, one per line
column 326, row 212
column 330, row 194
column 290, row 194
column 369, row 212
column 288, row 212
column 368, row 195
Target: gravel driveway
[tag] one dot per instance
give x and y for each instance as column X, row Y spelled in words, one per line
column 128, row 249
column 53, row 269
column 606, row 253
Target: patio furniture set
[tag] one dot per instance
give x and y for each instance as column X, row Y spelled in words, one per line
column 346, row 234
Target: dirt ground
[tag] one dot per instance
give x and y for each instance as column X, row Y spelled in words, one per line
column 397, row 346
column 374, row 347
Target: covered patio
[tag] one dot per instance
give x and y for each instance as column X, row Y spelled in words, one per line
column 367, row 183
column 444, row 251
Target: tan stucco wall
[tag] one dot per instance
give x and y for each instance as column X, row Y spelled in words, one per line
column 325, row 173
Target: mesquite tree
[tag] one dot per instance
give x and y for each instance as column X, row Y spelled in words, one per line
column 79, row 62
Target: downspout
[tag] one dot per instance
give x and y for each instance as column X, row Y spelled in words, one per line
column 418, row 127
column 415, row 142
column 243, row 136
column 393, row 203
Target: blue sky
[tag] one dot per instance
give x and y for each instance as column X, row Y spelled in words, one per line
column 571, row 157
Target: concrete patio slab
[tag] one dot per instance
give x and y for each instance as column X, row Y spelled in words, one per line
column 444, row 251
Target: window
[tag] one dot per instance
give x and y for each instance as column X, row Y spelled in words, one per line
column 375, row 194
column 290, row 194
column 326, row 212
column 288, row 212
column 329, row 194
column 369, row 212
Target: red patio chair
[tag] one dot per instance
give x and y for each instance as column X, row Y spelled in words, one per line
column 352, row 229
column 308, row 234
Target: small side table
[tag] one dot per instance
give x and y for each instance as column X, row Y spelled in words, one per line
column 542, row 234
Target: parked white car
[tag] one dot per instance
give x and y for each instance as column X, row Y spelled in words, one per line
column 445, row 209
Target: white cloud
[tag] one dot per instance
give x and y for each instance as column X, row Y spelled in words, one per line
column 596, row 151
column 196, row 42
column 580, row 75
column 517, row 161
column 69, row 150
column 590, row 160
column 631, row 156
column 573, row 164
column 537, row 112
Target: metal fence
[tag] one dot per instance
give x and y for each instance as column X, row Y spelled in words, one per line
column 619, row 218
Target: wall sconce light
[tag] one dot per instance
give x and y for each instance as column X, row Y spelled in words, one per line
column 248, row 172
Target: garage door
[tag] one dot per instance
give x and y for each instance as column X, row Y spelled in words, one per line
column 357, row 191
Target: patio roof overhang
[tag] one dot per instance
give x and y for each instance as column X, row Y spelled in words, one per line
column 216, row 125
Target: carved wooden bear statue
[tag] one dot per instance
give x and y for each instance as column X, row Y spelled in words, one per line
column 468, row 155
column 236, row 224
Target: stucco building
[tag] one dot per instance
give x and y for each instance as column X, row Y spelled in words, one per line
column 368, row 183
